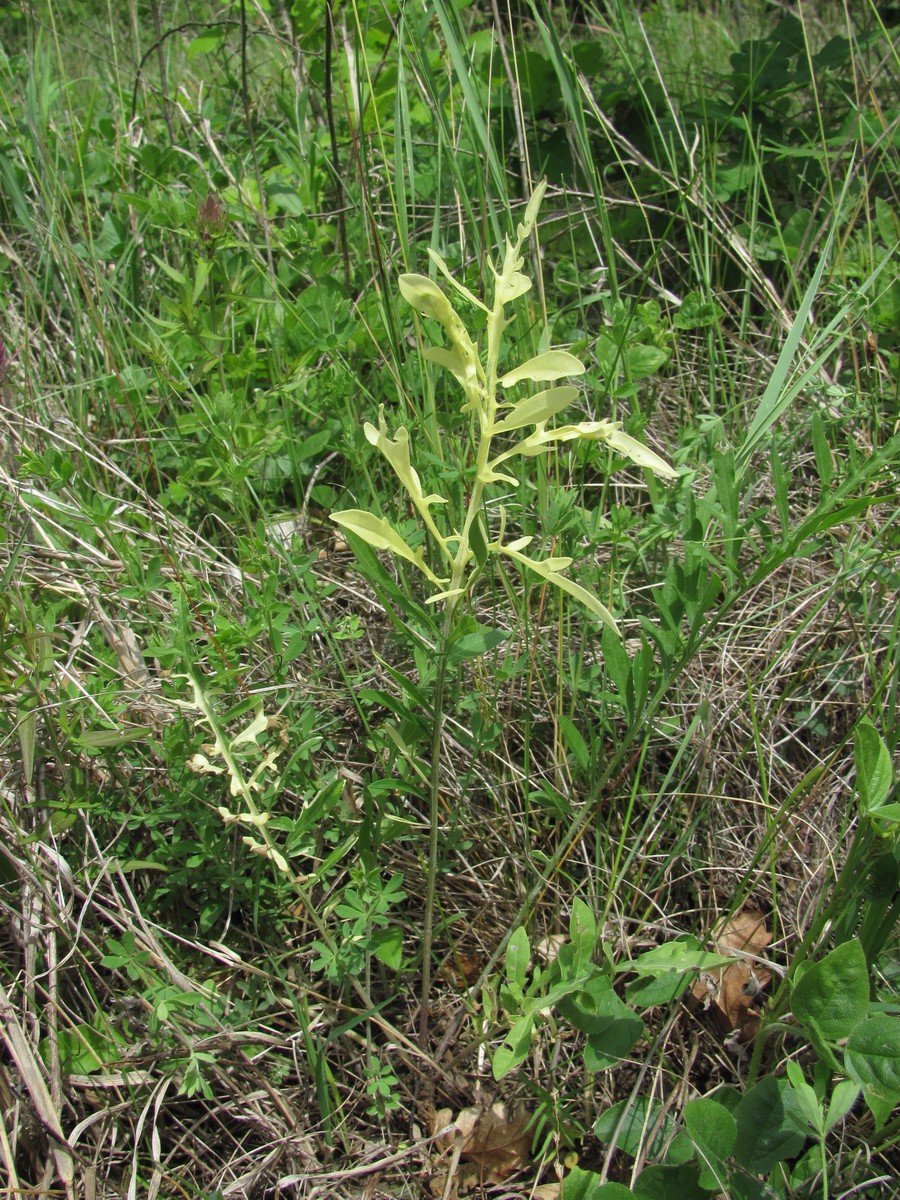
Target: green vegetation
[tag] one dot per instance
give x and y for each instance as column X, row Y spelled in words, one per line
column 343, row 844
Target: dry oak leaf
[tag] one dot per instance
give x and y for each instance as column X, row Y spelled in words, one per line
column 729, row 992
column 495, row 1139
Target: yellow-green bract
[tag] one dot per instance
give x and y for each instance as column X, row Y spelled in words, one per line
column 493, row 417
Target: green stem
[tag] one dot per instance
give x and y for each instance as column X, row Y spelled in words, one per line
column 434, row 800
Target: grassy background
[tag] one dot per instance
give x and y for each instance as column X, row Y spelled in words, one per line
column 203, row 214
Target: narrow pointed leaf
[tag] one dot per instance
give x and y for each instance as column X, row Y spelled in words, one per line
column 588, row 599
column 640, row 454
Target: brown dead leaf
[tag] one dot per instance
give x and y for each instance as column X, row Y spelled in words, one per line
column 495, row 1139
column 729, row 992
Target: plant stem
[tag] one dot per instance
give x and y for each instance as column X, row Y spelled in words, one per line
column 434, row 798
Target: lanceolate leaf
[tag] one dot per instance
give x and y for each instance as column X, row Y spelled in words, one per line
column 379, row 533
column 565, row 584
column 537, row 409
column 640, row 454
column 553, row 364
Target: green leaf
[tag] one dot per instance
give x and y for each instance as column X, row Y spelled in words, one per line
column 680, row 957
column 874, row 773
column 205, row 43
column 388, row 947
column 833, row 995
column 583, row 935
column 515, row 1047
column 518, row 957
column 643, row 1117
column 82, row 1050
column 872, row 1057
column 585, row 1185
column 842, row 1100
column 552, row 364
column 713, row 1131
column 680, row 1182
column 770, row 1125
column 645, row 360
column 574, row 741
column 822, row 451
column 474, row 645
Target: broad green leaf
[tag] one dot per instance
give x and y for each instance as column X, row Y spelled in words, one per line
column 645, row 360
column 575, row 741
column 607, row 1049
column 807, row 1100
column 552, row 364
column 713, row 1131
column 205, row 43
column 874, row 774
column 388, row 946
column 677, row 1182
column 833, row 995
column 593, row 1006
column 582, row 932
column 580, row 1185
column 644, row 1119
column 872, row 1056
column 611, row 1026
column 536, row 409
column 585, row 1185
column 770, row 1125
column 378, row 532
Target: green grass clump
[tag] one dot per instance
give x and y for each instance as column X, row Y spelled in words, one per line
column 305, row 845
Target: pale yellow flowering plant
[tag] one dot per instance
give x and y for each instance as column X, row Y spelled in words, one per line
column 462, row 550
column 502, row 428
